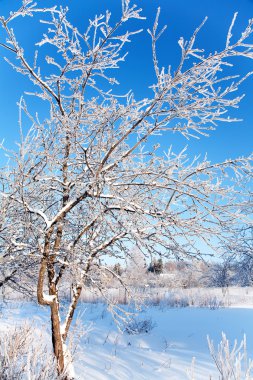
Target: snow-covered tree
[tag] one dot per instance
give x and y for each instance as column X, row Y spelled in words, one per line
column 241, row 249
column 86, row 184
column 220, row 274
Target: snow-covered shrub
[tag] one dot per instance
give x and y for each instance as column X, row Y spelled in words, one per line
column 185, row 298
column 22, row 359
column 139, row 326
column 215, row 303
column 231, row 361
column 177, row 299
column 212, row 302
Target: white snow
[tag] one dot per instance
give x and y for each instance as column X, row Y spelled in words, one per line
column 48, row 298
column 165, row 352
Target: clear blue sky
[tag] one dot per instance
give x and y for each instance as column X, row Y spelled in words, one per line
column 182, row 17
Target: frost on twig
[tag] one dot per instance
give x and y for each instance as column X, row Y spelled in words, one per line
column 231, row 361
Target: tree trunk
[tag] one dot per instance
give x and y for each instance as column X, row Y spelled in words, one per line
column 57, row 340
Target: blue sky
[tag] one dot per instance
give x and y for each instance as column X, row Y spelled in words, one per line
column 182, row 17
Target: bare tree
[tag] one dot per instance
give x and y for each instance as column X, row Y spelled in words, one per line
column 86, row 183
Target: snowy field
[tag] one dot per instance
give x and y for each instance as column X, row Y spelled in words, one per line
column 176, row 336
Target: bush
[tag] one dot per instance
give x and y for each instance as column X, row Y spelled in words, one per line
column 21, row 359
column 139, row 326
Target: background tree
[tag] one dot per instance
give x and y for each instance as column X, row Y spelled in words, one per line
column 221, row 273
column 86, row 184
column 156, row 266
column 118, row 269
column 241, row 249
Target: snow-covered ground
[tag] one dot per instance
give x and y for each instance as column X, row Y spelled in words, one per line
column 165, row 352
